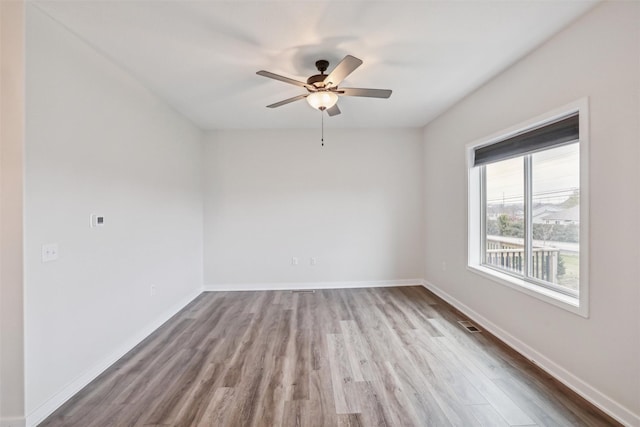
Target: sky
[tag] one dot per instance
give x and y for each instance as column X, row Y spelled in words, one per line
column 556, row 173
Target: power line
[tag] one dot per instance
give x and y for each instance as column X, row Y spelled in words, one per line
column 537, row 196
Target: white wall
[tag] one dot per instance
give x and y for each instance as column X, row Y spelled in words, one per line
column 354, row 204
column 98, row 142
column 11, row 184
column 599, row 57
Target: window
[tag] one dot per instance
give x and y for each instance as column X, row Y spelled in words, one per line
column 527, row 204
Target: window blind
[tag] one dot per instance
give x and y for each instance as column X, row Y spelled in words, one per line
column 552, row 134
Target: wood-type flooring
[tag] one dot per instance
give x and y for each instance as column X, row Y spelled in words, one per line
column 356, row 357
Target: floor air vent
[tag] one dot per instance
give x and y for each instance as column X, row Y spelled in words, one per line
column 470, row 327
column 303, row 291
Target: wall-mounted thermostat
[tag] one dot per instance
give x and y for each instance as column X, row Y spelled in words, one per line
column 97, row 220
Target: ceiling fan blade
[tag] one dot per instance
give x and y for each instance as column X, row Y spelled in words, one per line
column 370, row 93
column 287, row 101
column 342, row 70
column 285, row 79
column 333, row 111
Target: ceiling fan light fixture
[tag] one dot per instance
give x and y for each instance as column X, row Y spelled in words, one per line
column 322, row 100
column 322, row 89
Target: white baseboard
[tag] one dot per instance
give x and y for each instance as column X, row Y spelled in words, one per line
column 598, row 399
column 53, row 403
column 287, row 286
column 12, row 422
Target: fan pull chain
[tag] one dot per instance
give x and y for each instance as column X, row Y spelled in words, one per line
column 322, row 135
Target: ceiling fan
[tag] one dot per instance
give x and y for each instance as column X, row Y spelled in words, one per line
column 322, row 89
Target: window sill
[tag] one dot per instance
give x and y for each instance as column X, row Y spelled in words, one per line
column 550, row 296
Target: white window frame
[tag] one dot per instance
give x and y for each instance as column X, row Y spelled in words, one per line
column 475, row 213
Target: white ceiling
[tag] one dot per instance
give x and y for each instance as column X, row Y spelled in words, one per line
column 202, row 56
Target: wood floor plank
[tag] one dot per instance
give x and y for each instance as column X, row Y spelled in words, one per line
column 418, row 310
column 168, row 405
column 341, row 375
column 219, row 408
column 194, row 410
column 339, row 304
column 372, row 410
column 349, row 420
column 501, row 402
column 358, row 351
column 426, row 352
column 433, row 404
column 252, row 342
column 358, row 357
column 303, row 311
column 539, row 407
column 492, row 367
column 487, row 416
column 366, row 319
column 306, row 413
column 399, row 400
column 302, row 364
column 321, row 393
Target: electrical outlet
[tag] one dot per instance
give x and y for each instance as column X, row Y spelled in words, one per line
column 313, row 261
column 49, row 252
column 154, row 290
column 294, row 261
column 444, row 266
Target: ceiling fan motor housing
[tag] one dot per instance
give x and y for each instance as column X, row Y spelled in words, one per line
column 318, row 79
column 322, row 65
